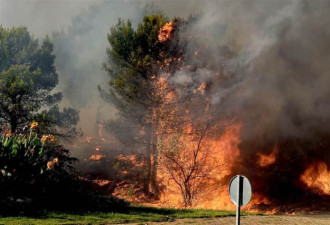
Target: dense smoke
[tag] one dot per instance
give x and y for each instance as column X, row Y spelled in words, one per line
column 272, row 59
column 81, row 51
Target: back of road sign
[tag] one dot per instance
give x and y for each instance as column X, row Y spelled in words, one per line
column 245, row 190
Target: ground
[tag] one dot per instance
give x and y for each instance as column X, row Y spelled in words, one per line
column 255, row 220
column 154, row 216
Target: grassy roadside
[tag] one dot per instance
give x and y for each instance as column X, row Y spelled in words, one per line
column 131, row 215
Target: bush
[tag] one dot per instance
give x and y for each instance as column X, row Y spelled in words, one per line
column 36, row 174
column 32, row 166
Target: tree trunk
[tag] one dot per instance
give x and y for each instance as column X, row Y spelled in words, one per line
column 150, row 185
column 154, row 161
column 186, row 195
column 148, row 175
column 147, row 178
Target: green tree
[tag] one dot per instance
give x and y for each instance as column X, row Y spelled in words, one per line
column 27, row 79
column 131, row 67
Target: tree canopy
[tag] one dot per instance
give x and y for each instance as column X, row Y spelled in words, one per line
column 132, row 57
column 131, row 67
column 144, row 66
column 27, row 79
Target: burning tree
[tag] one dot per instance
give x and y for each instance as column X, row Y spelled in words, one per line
column 188, row 162
column 131, row 67
column 154, row 115
column 184, row 133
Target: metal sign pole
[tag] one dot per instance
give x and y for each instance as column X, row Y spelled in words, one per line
column 240, row 192
column 239, row 200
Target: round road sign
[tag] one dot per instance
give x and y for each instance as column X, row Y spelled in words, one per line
column 240, row 190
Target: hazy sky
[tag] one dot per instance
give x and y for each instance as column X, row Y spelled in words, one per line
column 45, row 16
column 41, row 16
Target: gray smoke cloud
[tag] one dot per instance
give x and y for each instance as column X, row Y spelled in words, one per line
column 278, row 66
column 271, row 72
column 81, row 50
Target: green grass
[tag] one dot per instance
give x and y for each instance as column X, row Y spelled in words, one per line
column 131, row 215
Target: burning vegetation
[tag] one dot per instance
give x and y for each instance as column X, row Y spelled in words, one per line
column 200, row 101
column 187, row 124
column 317, row 178
column 166, row 31
column 241, row 89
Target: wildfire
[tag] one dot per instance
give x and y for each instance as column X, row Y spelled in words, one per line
column 266, row 160
column 101, row 182
column 165, row 32
column 224, row 152
column 217, row 159
column 88, row 139
column 130, row 158
column 201, row 88
column 317, row 176
column 96, row 157
column 226, row 148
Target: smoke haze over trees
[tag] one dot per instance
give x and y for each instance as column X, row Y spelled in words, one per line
column 27, row 77
column 261, row 64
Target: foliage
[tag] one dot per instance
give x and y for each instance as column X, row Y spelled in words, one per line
column 132, row 57
column 31, row 166
column 58, row 122
column 37, row 173
column 27, row 78
column 129, row 215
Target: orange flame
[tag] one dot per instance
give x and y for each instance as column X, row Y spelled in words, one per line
column 88, row 139
column 101, row 182
column 202, row 88
column 130, row 158
column 96, row 157
column 266, row 160
column 165, row 32
column 317, row 176
column 215, row 192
